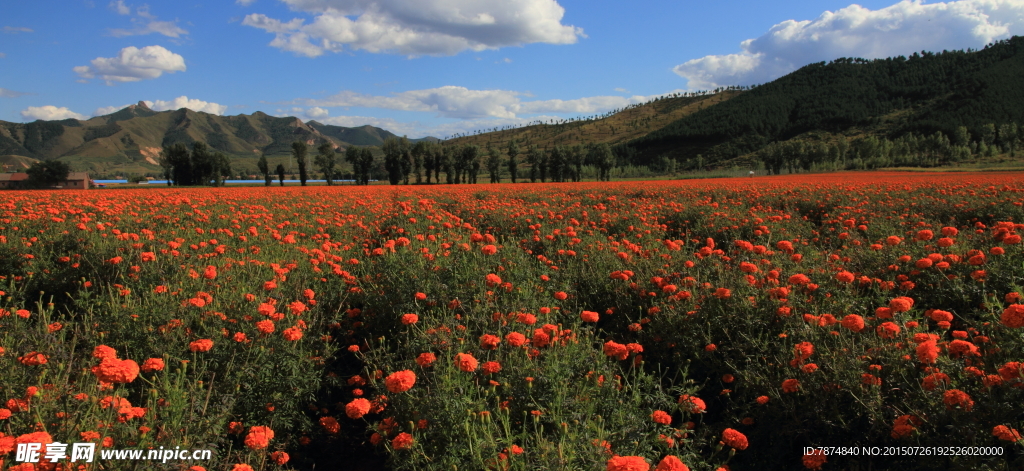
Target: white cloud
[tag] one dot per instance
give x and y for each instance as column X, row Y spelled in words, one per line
column 105, row 110
column 145, row 23
column 245, row 3
column 460, row 102
column 855, row 31
column 16, row 30
column 417, row 129
column 6, row 93
column 416, row 27
column 316, row 112
column 49, row 113
column 120, row 7
column 166, row 28
column 133, row 64
column 185, row 102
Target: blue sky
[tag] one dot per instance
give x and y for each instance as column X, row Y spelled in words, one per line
column 438, row 67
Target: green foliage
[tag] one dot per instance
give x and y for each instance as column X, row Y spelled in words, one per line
column 264, row 168
column 513, row 152
column 47, row 173
column 941, row 92
column 299, row 153
column 325, row 160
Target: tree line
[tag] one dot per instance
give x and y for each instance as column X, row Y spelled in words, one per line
column 199, row 166
column 424, row 163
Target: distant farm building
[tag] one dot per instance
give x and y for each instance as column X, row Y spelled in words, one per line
column 13, row 180
column 75, row 181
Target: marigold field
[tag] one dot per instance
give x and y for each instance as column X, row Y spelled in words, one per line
column 699, row 324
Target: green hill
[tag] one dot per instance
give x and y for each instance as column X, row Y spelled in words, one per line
column 619, row 126
column 130, row 140
column 887, row 98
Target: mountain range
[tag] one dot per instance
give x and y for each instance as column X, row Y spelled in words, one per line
column 972, row 98
column 131, row 139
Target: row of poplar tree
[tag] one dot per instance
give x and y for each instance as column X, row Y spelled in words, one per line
column 424, row 161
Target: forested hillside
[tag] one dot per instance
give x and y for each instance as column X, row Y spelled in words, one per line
column 890, row 98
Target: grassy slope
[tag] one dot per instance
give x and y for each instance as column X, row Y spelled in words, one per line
column 617, row 128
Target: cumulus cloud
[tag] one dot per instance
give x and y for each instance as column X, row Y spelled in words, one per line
column 133, row 64
column 186, row 102
column 144, row 22
column 463, row 103
column 120, row 7
column 49, row 113
column 417, row 129
column 105, row 110
column 316, row 112
column 855, row 31
column 416, row 27
column 6, row 93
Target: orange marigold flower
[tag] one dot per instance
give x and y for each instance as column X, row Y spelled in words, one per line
column 259, row 437
column 561, row 295
column 628, row 463
column 799, row 279
column 331, row 425
column 489, row 342
column 426, row 359
column 1013, row 316
column 152, row 364
column 962, row 348
column 904, row 426
column 103, row 351
column 466, row 362
column 692, row 404
column 402, row 441
column 661, row 417
column 1012, row 370
column 409, row 319
column 762, row 400
column 790, row 385
column 815, row 459
column 112, row 370
column 671, row 463
column 888, row 330
column 515, row 339
column 853, row 322
column 421, row 296
column 735, row 439
column 357, row 408
column 491, row 367
column 201, row 345
column 901, row 304
column 935, row 380
column 616, row 350
column 400, row 381
column 954, row 398
column 589, row 316
column 927, row 352
column 241, row 467
column 1003, row 432
column 279, row 457
column 265, row 326
column 292, row 334
column 492, row 280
